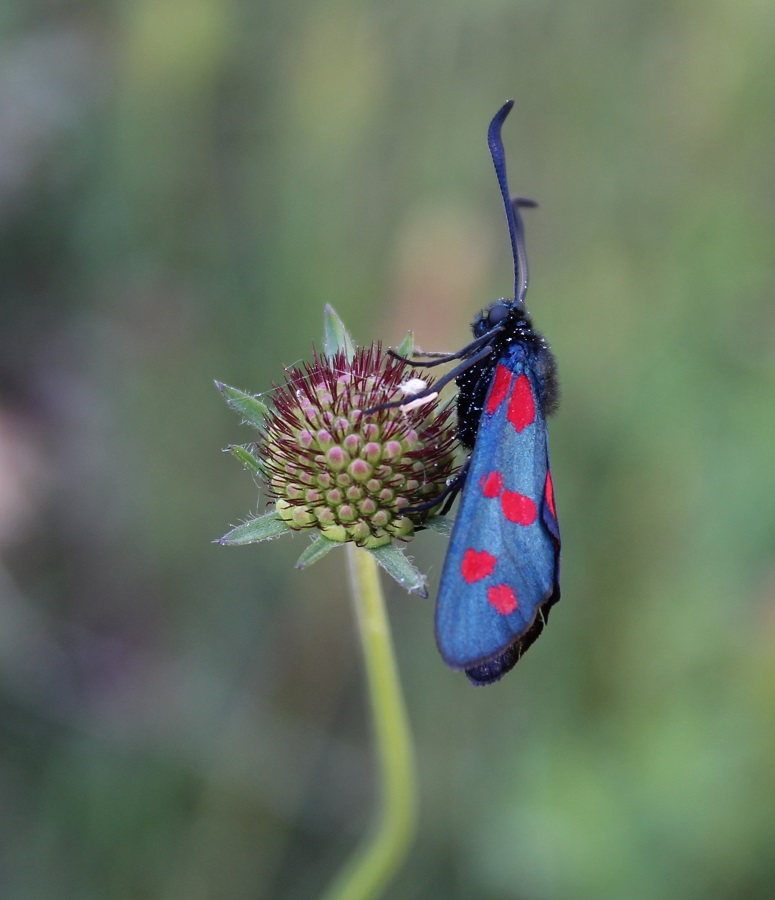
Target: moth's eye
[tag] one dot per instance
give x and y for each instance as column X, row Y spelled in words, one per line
column 496, row 314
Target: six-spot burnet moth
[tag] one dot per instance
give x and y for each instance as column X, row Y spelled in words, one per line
column 501, row 572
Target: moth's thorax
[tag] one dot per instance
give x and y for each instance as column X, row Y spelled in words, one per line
column 513, row 341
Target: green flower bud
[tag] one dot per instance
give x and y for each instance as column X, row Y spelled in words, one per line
column 354, row 475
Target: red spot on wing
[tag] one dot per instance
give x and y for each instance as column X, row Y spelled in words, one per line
column 477, row 564
column 549, row 494
column 518, row 508
column 502, row 598
column 492, row 484
column 522, row 408
column 499, row 389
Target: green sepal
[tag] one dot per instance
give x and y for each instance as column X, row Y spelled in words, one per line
column 252, row 463
column 252, row 410
column 406, row 347
column 400, row 568
column 264, row 528
column 440, row 524
column 335, row 335
column 316, row 550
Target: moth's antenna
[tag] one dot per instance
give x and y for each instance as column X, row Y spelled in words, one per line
column 521, row 271
column 516, row 230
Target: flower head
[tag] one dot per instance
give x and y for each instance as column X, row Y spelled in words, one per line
column 354, row 475
column 353, row 447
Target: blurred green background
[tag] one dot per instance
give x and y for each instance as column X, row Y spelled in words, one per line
column 183, row 186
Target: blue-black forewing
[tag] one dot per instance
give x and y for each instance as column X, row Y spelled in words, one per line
column 502, row 568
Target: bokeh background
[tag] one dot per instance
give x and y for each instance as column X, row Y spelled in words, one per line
column 183, row 185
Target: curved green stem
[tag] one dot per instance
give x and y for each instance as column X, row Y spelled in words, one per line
column 380, row 856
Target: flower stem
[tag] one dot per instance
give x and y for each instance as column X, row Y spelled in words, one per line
column 380, row 856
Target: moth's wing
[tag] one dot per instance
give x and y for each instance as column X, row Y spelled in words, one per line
column 501, row 573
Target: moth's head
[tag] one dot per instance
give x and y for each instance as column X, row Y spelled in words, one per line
column 506, row 313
